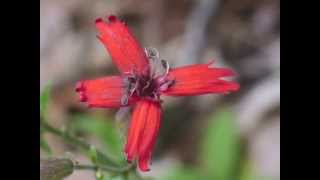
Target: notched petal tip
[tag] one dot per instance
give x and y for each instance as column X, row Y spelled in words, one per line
column 112, row 18
column 144, row 164
column 145, row 170
column 109, row 19
column 125, row 50
column 80, row 89
column 79, row 86
column 83, row 97
column 104, row 92
column 144, row 167
column 99, row 20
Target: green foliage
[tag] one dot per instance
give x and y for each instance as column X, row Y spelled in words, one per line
column 99, row 175
column 247, row 172
column 44, row 145
column 44, row 99
column 220, row 147
column 183, row 174
column 104, row 130
column 116, row 178
column 220, row 151
column 93, row 154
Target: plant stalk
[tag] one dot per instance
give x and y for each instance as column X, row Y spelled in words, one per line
column 102, row 158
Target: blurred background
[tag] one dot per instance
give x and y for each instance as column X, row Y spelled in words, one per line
column 223, row 137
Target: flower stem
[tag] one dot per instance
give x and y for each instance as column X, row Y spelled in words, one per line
column 78, row 143
column 103, row 167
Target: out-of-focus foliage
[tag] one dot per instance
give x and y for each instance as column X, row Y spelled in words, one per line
column 104, row 129
column 44, row 144
column 44, row 99
column 247, row 171
column 220, row 148
column 99, row 175
column 93, row 154
column 219, row 152
column 184, row 174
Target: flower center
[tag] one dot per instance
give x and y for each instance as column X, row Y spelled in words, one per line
column 149, row 86
column 144, row 87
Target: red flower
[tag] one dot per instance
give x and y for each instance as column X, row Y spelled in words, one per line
column 144, row 77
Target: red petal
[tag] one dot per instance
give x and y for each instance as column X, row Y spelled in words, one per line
column 138, row 121
column 123, row 47
column 200, row 79
column 143, row 131
column 104, row 92
column 144, row 161
column 150, row 135
column 151, row 129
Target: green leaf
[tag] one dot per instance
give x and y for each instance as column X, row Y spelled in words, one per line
column 99, row 175
column 43, row 143
column 183, row 174
column 44, row 99
column 220, row 147
column 118, row 177
column 93, row 154
column 103, row 129
column 45, row 146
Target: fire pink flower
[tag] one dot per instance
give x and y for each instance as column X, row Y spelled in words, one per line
column 144, row 78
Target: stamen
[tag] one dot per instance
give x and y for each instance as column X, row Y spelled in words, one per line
column 165, row 85
column 146, row 86
column 158, row 67
column 152, row 52
column 166, row 65
column 133, row 89
column 124, row 100
column 156, row 96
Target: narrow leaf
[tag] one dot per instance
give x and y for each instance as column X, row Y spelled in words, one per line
column 93, row 154
column 44, row 99
column 45, row 146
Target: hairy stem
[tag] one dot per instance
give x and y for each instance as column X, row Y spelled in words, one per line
column 78, row 143
column 103, row 168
